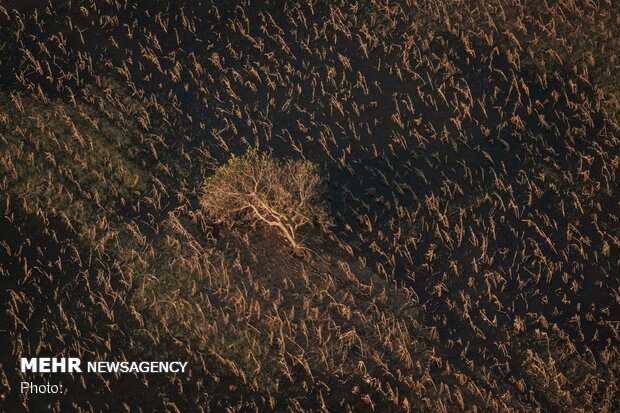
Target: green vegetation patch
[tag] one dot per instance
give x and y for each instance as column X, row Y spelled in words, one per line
column 66, row 160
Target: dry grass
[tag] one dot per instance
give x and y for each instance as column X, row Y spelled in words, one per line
column 471, row 153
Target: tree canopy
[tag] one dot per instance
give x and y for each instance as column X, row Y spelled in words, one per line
column 257, row 188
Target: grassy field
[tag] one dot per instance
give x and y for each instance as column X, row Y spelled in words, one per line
column 470, row 153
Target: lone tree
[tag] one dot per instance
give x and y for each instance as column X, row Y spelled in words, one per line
column 256, row 188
